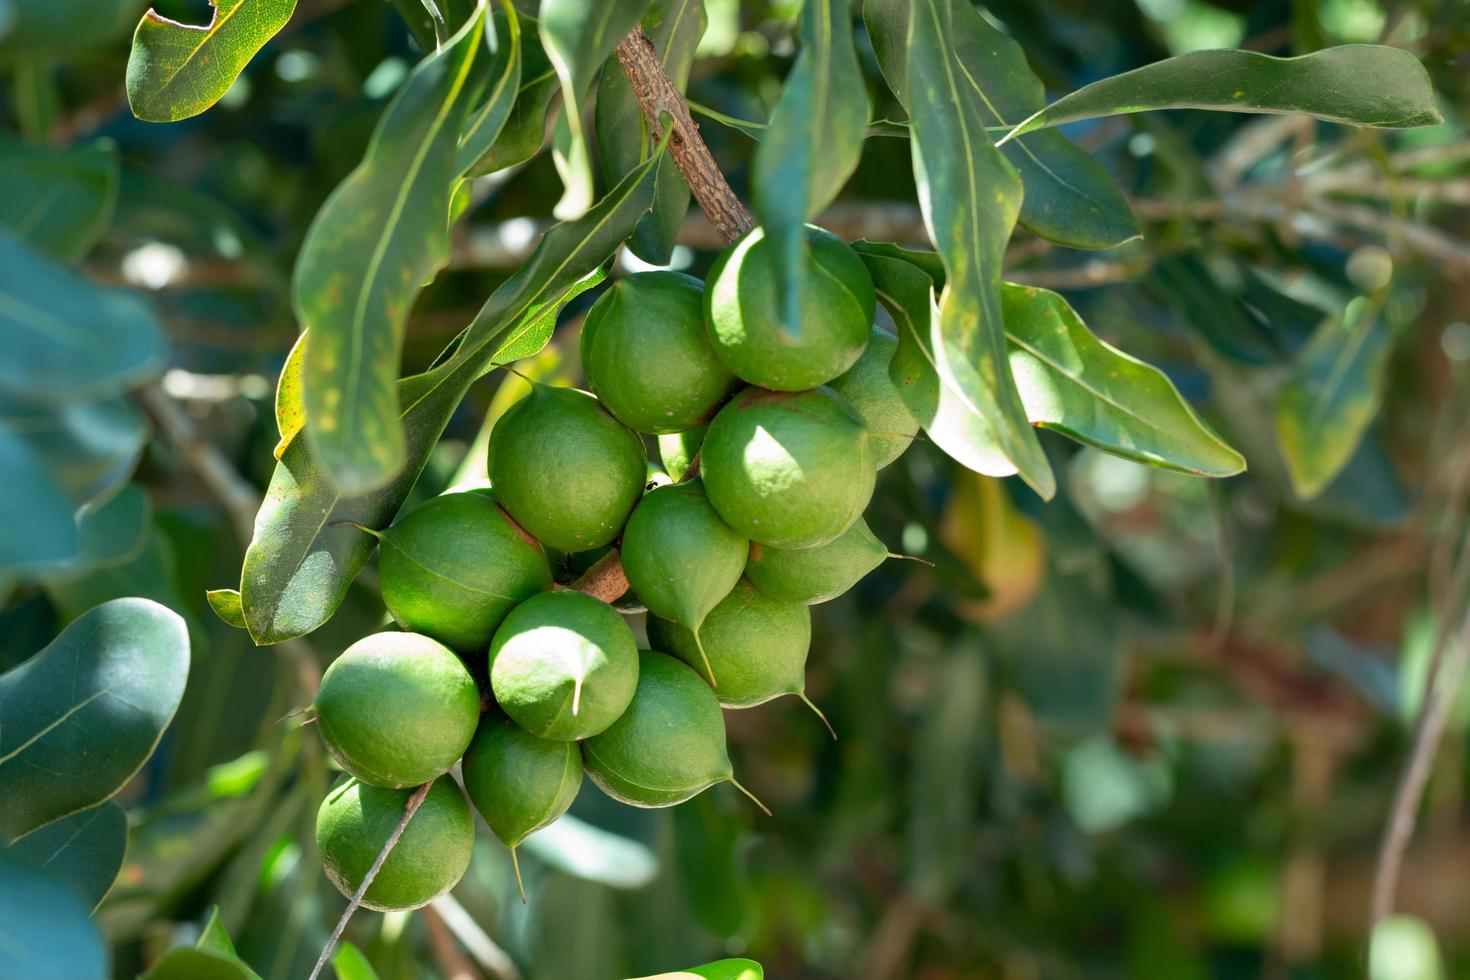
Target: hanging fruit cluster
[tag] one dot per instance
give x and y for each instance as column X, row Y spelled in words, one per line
column 772, row 437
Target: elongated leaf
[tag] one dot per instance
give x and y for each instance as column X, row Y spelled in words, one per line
column 85, row 713
column 943, row 781
column 178, row 70
column 226, row 605
column 1361, row 84
column 1069, row 199
column 302, row 559
column 379, row 237
column 352, row 964
column 1334, row 392
column 55, row 26
column 1074, row 383
column 290, row 409
column 86, row 849
column 731, row 969
column 707, row 851
column 524, row 131
column 65, row 339
column 45, row 933
column 483, row 126
column 587, row 851
column 579, row 35
column 58, row 201
column 811, row 145
column 674, row 27
column 212, row 957
column 970, row 197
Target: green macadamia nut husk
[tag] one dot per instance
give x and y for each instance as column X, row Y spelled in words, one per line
column 563, row 665
column 868, row 388
column 566, row 470
column 813, row 575
column 788, row 469
column 743, row 313
column 646, row 357
column 356, row 820
column 670, row 743
column 455, row 565
column 679, row 556
column 676, row 450
column 397, row 709
column 518, row 782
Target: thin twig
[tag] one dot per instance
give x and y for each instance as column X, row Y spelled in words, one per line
column 482, row 948
column 239, row 499
column 452, row 961
column 414, row 802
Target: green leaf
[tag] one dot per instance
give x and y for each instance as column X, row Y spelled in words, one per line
column 944, row 778
column 381, row 235
column 579, row 35
column 213, row 957
column 1333, row 394
column 303, row 558
column 732, row 969
column 674, row 27
column 58, row 201
column 110, row 531
column 537, row 325
column 1360, row 84
column 812, row 143
column 45, row 933
column 86, row 849
column 290, row 410
column 483, row 126
column 707, row 854
column 1069, row 199
column 351, row 964
column 1074, row 383
column 226, row 605
column 525, row 130
column 65, row 339
column 970, row 197
column 178, row 70
column 591, row 853
column 84, row 714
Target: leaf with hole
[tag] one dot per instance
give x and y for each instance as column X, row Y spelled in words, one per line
column 1332, row 395
column 178, row 70
column 811, row 145
column 304, row 556
column 970, row 197
column 1069, row 199
column 1359, row 84
column 84, row 714
column 379, row 237
column 86, row 849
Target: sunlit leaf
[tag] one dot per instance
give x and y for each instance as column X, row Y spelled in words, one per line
column 1069, row 199
column 86, row 712
column 1362, row 84
column 379, row 237
column 226, row 605
column 86, row 849
column 579, row 35
column 178, row 70
column 732, row 969
column 351, row 964
column 1333, row 394
column 290, row 410
column 970, row 197
column 524, row 130
column 483, row 125
column 591, row 853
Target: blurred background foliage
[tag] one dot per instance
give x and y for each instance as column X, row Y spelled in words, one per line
column 1150, row 729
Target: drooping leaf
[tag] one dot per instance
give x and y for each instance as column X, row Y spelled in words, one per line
column 483, row 125
column 943, row 781
column 524, row 130
column 303, row 558
column 65, row 339
column 226, row 605
column 379, row 237
column 178, row 70
column 1074, row 383
column 579, row 35
column 45, row 933
column 707, row 852
column 1069, row 199
column 86, row 849
column 86, row 712
column 970, row 197
column 1360, row 84
column 58, row 201
column 1333, row 394
column 674, row 27
column 811, row 145
column 591, row 853
column 290, row 410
